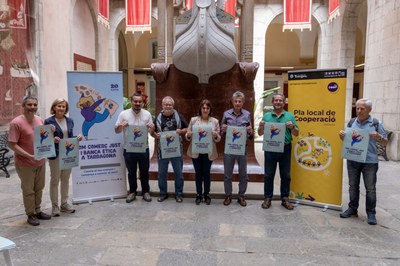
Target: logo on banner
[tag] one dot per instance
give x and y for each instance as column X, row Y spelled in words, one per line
column 333, row 87
column 170, row 139
column 313, row 153
column 356, row 137
column 236, row 134
column 274, row 131
column 43, row 135
column 202, row 133
column 69, row 147
column 137, row 133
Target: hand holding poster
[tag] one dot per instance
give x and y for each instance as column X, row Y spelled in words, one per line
column 202, row 139
column 355, row 145
column 137, row 136
column 274, row 137
column 44, row 142
column 235, row 141
column 69, row 153
column 170, row 144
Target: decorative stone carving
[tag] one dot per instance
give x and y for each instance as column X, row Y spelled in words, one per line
column 205, row 44
column 249, row 70
column 160, row 71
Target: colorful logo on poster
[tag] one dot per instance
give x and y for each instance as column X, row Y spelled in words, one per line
column 202, row 133
column 313, row 153
column 356, row 137
column 91, row 104
column 236, row 134
column 69, row 147
column 333, row 87
column 274, row 131
column 169, row 139
column 137, row 133
column 43, row 134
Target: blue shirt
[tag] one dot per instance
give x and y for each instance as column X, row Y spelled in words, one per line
column 241, row 120
column 372, row 155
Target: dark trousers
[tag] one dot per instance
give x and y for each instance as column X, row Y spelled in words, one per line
column 368, row 171
column 271, row 159
column 132, row 160
column 202, row 166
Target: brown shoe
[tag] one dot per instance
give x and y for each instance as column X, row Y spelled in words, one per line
column 228, row 200
column 266, row 204
column 287, row 204
column 242, row 202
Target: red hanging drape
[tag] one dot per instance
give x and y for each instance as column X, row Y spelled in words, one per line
column 104, row 12
column 297, row 14
column 188, row 4
column 230, row 8
column 138, row 15
column 333, row 9
column 17, row 14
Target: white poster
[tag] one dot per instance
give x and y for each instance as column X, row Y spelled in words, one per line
column 95, row 100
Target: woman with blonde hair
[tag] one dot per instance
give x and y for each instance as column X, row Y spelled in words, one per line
column 60, row 178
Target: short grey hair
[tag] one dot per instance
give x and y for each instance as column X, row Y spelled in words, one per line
column 168, row 98
column 238, row 94
column 28, row 97
column 366, row 101
column 278, row 94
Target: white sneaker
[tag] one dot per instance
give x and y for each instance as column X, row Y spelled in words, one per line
column 67, row 208
column 55, row 211
column 131, row 197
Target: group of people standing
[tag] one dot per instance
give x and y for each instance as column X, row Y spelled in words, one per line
column 32, row 172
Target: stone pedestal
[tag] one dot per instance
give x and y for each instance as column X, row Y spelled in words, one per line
column 188, row 93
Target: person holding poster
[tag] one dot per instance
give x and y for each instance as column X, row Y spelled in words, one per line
column 368, row 169
column 30, row 171
column 202, row 161
column 59, row 178
column 136, row 116
column 236, row 116
column 271, row 159
column 169, row 120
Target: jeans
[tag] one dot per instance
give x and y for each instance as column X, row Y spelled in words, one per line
column 202, row 166
column 177, row 165
column 270, row 163
column 368, row 171
column 229, row 163
column 132, row 159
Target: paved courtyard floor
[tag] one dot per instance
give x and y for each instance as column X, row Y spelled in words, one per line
column 168, row 233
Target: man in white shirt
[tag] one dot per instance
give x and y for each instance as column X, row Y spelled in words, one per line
column 136, row 116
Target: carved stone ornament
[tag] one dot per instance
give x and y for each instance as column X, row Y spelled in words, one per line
column 205, row 44
column 249, row 70
column 160, row 71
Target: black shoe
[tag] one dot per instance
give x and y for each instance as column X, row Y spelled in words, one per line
column 371, row 219
column 198, row 199
column 162, row 198
column 207, row 199
column 43, row 216
column 33, row 220
column 348, row 213
column 179, row 199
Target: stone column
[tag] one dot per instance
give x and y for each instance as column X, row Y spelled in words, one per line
column 162, row 24
column 382, row 68
column 246, row 31
column 170, row 31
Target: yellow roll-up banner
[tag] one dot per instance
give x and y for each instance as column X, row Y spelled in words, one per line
column 317, row 100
